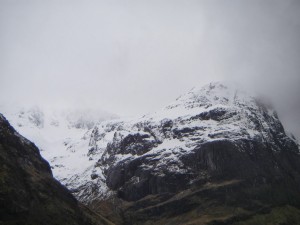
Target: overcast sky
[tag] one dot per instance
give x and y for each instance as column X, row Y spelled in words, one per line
column 134, row 57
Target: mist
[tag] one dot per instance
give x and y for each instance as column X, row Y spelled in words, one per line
column 134, row 57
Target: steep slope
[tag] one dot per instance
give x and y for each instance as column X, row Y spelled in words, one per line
column 213, row 147
column 28, row 192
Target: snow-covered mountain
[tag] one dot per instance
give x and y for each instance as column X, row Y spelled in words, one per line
column 125, row 154
column 211, row 143
column 97, row 158
column 55, row 132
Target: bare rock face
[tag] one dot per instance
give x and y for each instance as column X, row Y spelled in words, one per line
column 28, row 192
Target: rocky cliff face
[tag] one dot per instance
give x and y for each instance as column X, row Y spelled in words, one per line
column 28, row 192
column 215, row 140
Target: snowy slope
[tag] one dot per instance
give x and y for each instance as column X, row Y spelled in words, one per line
column 55, row 132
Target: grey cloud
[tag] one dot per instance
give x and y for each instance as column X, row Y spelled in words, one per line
column 132, row 57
